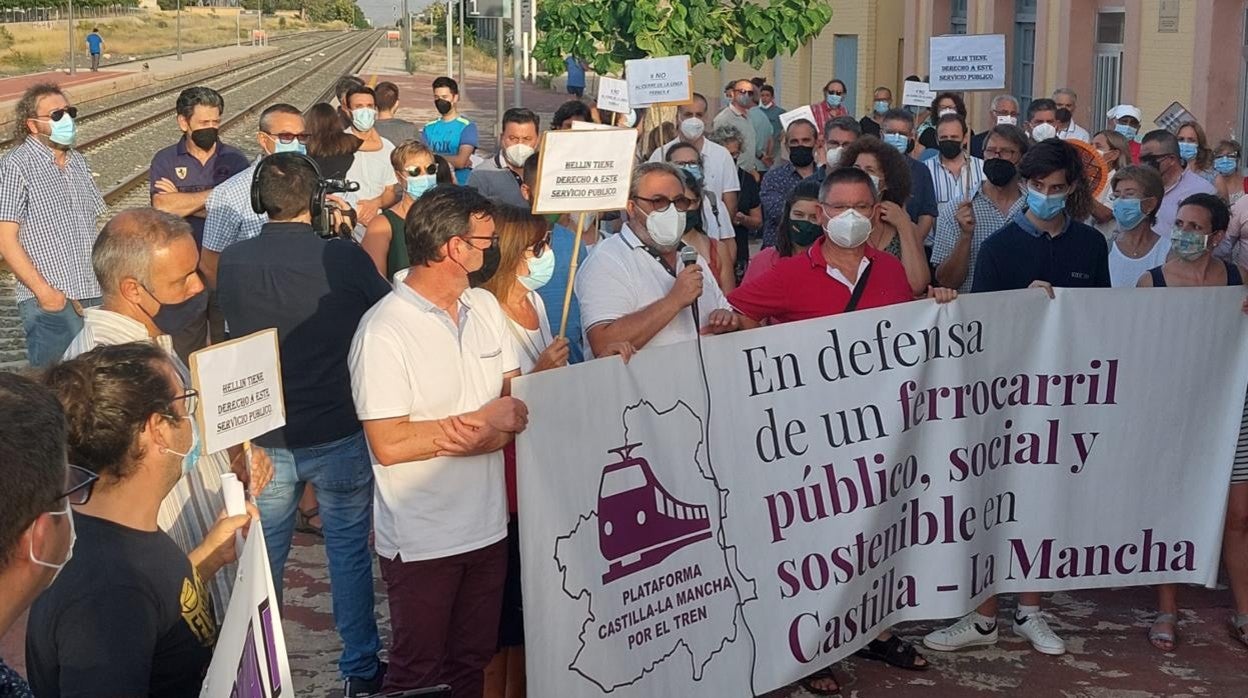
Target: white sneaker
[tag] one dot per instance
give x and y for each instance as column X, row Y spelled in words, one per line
column 969, row 631
column 1035, row 629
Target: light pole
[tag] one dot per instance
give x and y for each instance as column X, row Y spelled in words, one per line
column 516, row 40
column 238, row 24
column 73, row 68
column 498, row 111
column 462, row 40
column 178, row 29
column 450, row 27
column 407, row 38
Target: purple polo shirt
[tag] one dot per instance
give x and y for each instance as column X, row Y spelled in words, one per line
column 186, row 172
column 1187, row 185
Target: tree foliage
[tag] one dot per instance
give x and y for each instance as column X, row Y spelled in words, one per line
column 34, row 4
column 608, row 32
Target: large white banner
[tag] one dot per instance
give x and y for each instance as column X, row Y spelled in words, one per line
column 854, row 472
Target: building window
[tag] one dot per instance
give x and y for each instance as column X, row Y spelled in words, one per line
column 957, row 17
column 1107, row 65
column 1024, row 51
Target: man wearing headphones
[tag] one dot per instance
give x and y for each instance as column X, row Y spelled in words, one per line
column 314, row 291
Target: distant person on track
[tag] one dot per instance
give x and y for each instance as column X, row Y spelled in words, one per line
column 576, row 75
column 390, row 127
column 180, row 179
column 48, row 206
column 452, row 136
column 95, row 47
column 371, row 168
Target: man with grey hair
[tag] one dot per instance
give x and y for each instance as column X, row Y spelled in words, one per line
column 752, row 124
column 1004, row 110
column 634, row 289
column 145, row 261
column 1067, row 129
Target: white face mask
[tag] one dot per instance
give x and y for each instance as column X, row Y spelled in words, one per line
column 73, row 538
column 946, row 111
column 516, row 155
column 834, row 156
column 1041, row 132
column 849, row 230
column 666, row 227
column 1007, row 119
column 692, row 128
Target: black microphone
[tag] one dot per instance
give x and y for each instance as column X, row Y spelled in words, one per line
column 689, row 256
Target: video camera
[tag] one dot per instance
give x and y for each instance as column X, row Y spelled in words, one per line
column 328, row 218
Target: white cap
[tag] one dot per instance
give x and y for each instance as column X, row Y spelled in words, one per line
column 1124, row 110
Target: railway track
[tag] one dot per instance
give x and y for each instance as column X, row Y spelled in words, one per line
column 119, row 153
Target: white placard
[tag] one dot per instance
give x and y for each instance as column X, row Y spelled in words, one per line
column 917, row 94
column 613, row 95
column 802, row 112
column 658, row 81
column 240, row 390
column 590, row 126
column 250, row 657
column 724, row 526
column 963, row 62
column 585, row 170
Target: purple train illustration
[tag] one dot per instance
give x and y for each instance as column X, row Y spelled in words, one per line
column 639, row 523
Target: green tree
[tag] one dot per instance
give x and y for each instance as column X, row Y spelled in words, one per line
column 608, row 32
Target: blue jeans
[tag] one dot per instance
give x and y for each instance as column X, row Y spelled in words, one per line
column 342, row 473
column 48, row 335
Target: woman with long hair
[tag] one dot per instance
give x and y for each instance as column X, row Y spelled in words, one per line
column 1194, row 149
column 1116, row 152
column 798, row 230
column 1229, row 178
column 329, row 146
column 945, row 103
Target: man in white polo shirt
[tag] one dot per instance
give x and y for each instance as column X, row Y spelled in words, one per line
column 633, row 288
column 431, row 370
column 718, row 169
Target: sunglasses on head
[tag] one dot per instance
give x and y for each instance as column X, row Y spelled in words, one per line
column 56, row 114
column 416, row 170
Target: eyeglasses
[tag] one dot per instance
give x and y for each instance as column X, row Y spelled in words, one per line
column 192, row 400
column 990, row 153
column 416, row 170
column 659, row 204
column 834, row 92
column 746, row 92
column 540, row 247
column 834, row 210
column 56, row 114
column 492, row 238
column 287, row 137
column 79, row 482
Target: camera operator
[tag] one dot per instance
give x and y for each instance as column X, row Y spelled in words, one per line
column 314, row 291
column 336, row 218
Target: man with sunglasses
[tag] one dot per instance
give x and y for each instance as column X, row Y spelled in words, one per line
column 36, row 522
column 741, row 115
column 129, row 614
column 314, row 292
column 48, row 206
column 1160, row 151
column 230, row 217
column 633, row 288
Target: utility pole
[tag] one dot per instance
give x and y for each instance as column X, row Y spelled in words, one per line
column 73, row 47
column 498, row 108
column 238, row 25
column 450, row 27
column 462, row 39
column 517, row 38
column 178, row 29
column 407, row 38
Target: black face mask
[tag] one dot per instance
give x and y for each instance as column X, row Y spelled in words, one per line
column 1064, row 115
column 999, row 171
column 491, row 256
column 171, row 318
column 443, row 106
column 204, row 138
column 949, row 149
column 801, row 155
column 693, row 220
column 804, row 233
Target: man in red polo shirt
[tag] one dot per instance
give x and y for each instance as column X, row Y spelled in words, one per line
column 839, row 274
column 825, row 279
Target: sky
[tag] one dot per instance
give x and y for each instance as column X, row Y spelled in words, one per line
column 383, row 12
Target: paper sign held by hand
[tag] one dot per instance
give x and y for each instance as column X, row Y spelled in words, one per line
column 658, row 81
column 963, row 62
column 240, row 390
column 917, row 94
column 613, row 95
column 803, row 112
column 582, row 171
column 590, row 126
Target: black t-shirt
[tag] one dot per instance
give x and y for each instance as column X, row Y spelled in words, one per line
column 128, row 613
column 869, row 127
column 314, row 291
column 1012, row 258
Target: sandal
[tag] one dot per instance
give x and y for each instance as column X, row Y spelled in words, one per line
column 1239, row 627
column 816, row 683
column 894, row 651
column 1162, row 640
column 303, row 522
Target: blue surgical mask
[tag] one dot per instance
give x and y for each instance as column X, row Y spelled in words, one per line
column 418, row 185
column 880, row 106
column 833, row 100
column 540, row 270
column 1128, row 213
column 292, row 147
column 693, row 169
column 899, row 141
column 363, row 118
column 1188, row 151
column 190, row 459
column 1126, row 130
column 1045, row 207
column 1225, row 165
column 64, row 132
